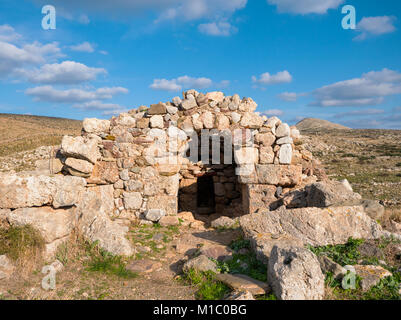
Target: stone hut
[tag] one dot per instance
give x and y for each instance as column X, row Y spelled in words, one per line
column 205, row 153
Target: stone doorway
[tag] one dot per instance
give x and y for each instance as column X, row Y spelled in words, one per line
column 205, row 196
column 208, row 189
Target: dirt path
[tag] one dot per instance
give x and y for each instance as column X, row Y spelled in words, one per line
column 76, row 282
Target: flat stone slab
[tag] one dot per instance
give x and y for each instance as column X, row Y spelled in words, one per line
column 143, row 266
column 241, row 282
column 371, row 275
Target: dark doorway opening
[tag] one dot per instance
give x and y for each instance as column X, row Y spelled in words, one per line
column 205, row 202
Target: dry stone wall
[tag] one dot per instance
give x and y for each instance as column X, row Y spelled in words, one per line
column 145, row 155
column 150, row 162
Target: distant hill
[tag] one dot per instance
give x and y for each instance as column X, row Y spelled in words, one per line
column 25, row 132
column 312, row 124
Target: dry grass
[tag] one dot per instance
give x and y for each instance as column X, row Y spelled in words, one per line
column 23, row 132
column 24, row 245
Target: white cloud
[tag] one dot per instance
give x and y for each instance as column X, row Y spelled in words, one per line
column 363, row 112
column 12, row 57
column 49, row 94
column 288, row 96
column 165, row 85
column 8, row 34
column 222, row 28
column 67, row 72
column 46, row 51
column 370, row 89
column 305, row 6
column 273, row 112
column 83, row 47
column 199, row 9
column 180, row 83
column 375, row 26
column 198, row 83
column 268, row 79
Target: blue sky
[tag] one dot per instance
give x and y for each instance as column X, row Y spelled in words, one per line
column 291, row 56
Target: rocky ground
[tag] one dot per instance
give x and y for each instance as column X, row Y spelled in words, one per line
column 369, row 159
column 154, row 274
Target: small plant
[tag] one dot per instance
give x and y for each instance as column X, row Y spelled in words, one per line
column 208, row 287
column 104, row 262
column 62, row 253
column 239, row 244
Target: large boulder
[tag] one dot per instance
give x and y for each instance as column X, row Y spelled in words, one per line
column 52, row 224
column 314, row 226
column 324, row 194
column 330, row 193
column 94, row 223
column 35, row 191
column 294, row 274
column 81, row 148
